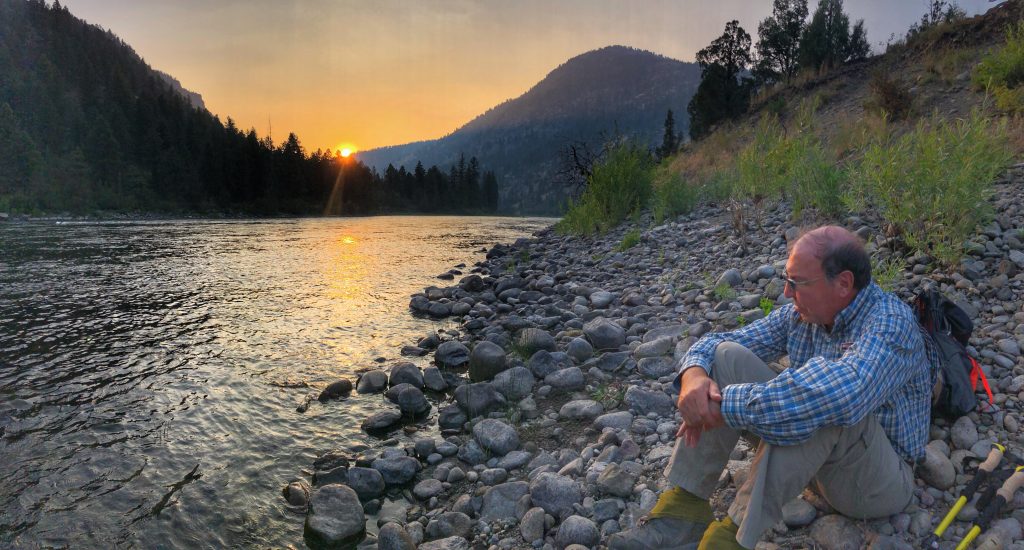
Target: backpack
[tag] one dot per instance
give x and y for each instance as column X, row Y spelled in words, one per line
column 947, row 327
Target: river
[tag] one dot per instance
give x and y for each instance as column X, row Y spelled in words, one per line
column 150, row 371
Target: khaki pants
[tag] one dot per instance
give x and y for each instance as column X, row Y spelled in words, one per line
column 855, row 467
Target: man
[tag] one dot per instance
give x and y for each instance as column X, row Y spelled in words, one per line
column 850, row 414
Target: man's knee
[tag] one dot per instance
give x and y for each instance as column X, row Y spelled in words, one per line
column 735, row 364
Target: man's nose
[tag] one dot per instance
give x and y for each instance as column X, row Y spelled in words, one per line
column 787, row 290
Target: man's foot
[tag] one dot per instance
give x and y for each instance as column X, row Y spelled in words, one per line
column 660, row 534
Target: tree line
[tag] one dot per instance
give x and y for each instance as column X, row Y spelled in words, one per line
column 87, row 125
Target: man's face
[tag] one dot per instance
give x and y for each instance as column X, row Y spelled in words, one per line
column 817, row 299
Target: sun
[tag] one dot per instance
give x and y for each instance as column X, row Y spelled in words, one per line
column 346, row 150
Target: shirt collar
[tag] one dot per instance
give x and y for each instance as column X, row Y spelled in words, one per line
column 860, row 302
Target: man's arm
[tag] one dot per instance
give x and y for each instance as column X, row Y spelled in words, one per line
column 765, row 337
column 789, row 408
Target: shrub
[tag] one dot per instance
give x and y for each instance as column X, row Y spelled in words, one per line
column 766, row 305
column 673, row 196
column 888, row 95
column 933, row 183
column 1002, row 70
column 630, row 239
column 761, row 166
column 884, row 273
column 724, row 292
column 617, row 187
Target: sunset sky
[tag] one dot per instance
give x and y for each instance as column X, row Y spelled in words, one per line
column 383, row 72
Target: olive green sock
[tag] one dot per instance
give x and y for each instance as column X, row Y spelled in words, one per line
column 720, row 535
column 681, row 504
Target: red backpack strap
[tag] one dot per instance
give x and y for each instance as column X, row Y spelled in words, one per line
column 976, row 374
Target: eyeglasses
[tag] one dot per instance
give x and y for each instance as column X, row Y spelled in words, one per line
column 797, row 284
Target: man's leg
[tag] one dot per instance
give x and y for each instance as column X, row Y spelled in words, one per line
column 856, row 467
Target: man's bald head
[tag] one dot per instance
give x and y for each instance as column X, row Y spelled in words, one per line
column 838, row 250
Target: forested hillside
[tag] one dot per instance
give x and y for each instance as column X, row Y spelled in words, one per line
column 86, row 125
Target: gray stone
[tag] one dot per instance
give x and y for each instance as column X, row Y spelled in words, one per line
column 604, row 334
column 496, row 436
column 450, row 543
column 393, row 536
column 1017, row 257
column 616, row 481
column 579, row 349
column 731, row 277
column 479, row 399
column 397, row 470
column 514, row 459
column 438, row 309
column 432, row 379
column 656, row 367
column 555, row 494
column 888, row 542
column 472, row 453
column 580, row 409
column 366, row 482
column 531, row 527
column 451, row 355
column 606, row 509
column 451, row 417
column 486, row 361
column 542, row 363
column 449, row 524
column 642, row 401
column 937, row 470
column 610, row 362
column 412, row 402
column 601, row 299
column 424, row 447
column 427, row 488
column 532, row 340
column 1009, row 346
column 657, row 348
column 566, row 380
column 835, row 532
column 406, row 373
column 619, row 420
column 472, row 283
column 493, row 476
column 335, row 517
column 964, row 433
column 578, row 530
column 372, row 382
column 297, row 493
column 382, row 420
column 798, row 513
column 341, row 388
column 514, row 383
column 499, row 502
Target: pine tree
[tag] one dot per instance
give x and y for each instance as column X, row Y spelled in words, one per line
column 827, row 41
column 723, row 93
column 670, row 140
column 778, row 42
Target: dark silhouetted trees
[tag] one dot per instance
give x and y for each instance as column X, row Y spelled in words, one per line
column 723, row 92
column 778, row 43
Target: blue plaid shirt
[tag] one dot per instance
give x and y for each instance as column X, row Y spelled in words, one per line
column 873, row 361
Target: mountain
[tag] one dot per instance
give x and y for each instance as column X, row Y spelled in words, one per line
column 601, row 94
column 193, row 98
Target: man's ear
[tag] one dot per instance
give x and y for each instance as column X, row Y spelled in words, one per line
column 846, row 283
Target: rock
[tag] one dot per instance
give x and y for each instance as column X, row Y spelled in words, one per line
column 496, row 436
column 642, row 401
column 619, row 420
column 731, row 277
column 393, row 536
column 406, row 373
column 835, row 532
column 424, row 447
column 397, row 470
column 604, row 334
column 472, row 453
column 366, row 482
column 601, row 299
column 450, row 543
column 486, row 361
column 427, row 488
column 555, row 494
column 471, row 283
column 335, row 517
column 412, row 402
column 449, row 524
column 616, row 481
column 1017, row 257
column 936, row 470
column 531, row 527
column 451, row 417
column 579, row 349
column 514, row 383
column 798, row 513
column 296, row 493
column 566, row 380
column 432, row 379
column 382, row 421
column 580, row 409
column 578, row 530
column 514, row 459
column 964, row 433
column 656, row 367
column 493, row 476
column 543, row 363
column 372, row 382
column 499, row 501
column 479, row 399
column 438, row 309
column 451, row 355
column 886, row 542
column 341, row 388
column 656, row 348
column 532, row 340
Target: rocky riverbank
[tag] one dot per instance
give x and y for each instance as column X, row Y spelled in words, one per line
column 561, row 412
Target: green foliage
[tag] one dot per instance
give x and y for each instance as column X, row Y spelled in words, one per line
column 723, row 94
column 724, row 292
column 741, row 321
column 939, row 12
column 609, row 394
column 766, row 305
column 629, row 240
column 885, row 273
column 779, row 41
column 827, row 41
column 673, row 196
column 889, row 96
column 1002, row 71
column 933, row 183
column 618, row 186
column 670, row 141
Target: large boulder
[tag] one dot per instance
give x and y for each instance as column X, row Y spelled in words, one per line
column 566, row 380
column 486, row 361
column 496, row 436
column 382, row 421
column 604, row 334
column 335, row 517
column 579, row 349
column 499, row 502
column 393, row 536
column 366, row 482
column 555, row 494
column 514, row 383
column 451, row 355
column 642, row 401
column 531, row 340
column 412, row 402
column 397, row 470
column 577, row 530
column 372, row 382
column 479, row 399
column 341, row 388
column 451, row 417
column 406, row 373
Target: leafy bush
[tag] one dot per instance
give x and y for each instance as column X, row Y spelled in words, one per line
column 889, row 95
column 630, row 239
column 1002, row 70
column 618, row 186
column 673, row 196
column 933, row 183
column 766, row 305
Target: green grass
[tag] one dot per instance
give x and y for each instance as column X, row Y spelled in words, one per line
column 724, row 292
column 673, row 196
column 629, row 240
column 609, row 394
column 1002, row 71
column 619, row 186
column 933, row 183
column 886, row 273
column 766, row 305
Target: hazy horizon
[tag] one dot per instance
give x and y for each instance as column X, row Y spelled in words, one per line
column 367, row 76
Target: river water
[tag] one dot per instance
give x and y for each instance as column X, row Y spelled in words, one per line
column 150, row 371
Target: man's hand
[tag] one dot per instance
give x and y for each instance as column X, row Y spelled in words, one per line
column 699, row 400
